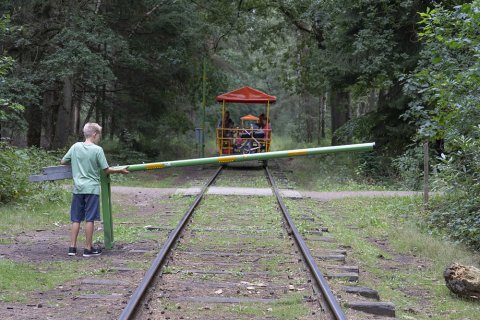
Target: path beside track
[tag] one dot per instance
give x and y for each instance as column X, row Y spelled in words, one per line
column 264, row 192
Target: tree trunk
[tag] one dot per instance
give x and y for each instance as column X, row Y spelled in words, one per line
column 49, row 110
column 322, row 109
column 63, row 125
column 112, row 125
column 463, row 280
column 97, row 105
column 33, row 115
column 308, row 119
column 104, row 111
column 77, row 108
column 372, row 101
column 340, row 106
column 89, row 114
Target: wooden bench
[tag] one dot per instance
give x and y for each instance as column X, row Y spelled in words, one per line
column 52, row 173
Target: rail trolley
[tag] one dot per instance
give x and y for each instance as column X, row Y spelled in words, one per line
column 254, row 134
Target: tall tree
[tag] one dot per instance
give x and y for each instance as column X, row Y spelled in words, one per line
column 10, row 111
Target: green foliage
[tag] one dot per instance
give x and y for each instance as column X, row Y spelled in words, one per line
column 446, row 87
column 447, row 84
column 133, row 66
column 354, row 48
column 458, row 176
column 410, row 167
column 5, row 64
column 457, row 218
column 9, row 111
column 16, row 165
column 77, row 51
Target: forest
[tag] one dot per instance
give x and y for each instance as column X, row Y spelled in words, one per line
column 399, row 73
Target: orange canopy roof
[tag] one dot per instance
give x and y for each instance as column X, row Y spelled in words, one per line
column 249, row 117
column 246, row 95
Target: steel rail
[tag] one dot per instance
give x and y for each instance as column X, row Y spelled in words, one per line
column 136, row 297
column 310, row 261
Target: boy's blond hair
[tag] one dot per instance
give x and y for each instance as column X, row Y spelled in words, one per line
column 90, row 128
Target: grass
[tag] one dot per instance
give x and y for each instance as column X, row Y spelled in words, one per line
column 330, row 173
column 126, row 233
column 19, row 279
column 253, row 182
column 266, row 208
column 144, row 180
column 162, row 178
column 401, row 260
column 214, row 210
column 18, row 217
column 231, row 242
column 131, row 234
column 288, row 307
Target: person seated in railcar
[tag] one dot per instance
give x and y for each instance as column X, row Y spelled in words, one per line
column 225, row 124
column 238, row 140
column 225, row 133
column 263, row 133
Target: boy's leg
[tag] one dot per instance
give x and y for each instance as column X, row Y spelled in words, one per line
column 92, row 214
column 74, row 234
column 77, row 214
column 89, row 226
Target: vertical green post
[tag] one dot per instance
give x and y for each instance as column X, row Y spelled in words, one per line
column 106, row 209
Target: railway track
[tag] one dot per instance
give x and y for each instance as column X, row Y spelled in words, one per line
column 237, row 257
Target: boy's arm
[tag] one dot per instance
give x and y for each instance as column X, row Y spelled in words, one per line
column 102, row 162
column 67, row 158
column 122, row 170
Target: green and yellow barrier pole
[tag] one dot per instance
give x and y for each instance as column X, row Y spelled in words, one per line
column 105, row 179
column 250, row 157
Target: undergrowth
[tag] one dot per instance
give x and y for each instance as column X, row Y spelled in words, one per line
column 16, row 165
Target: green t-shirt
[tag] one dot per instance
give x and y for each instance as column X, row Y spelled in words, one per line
column 87, row 160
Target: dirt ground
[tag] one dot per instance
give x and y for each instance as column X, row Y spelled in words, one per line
column 105, row 283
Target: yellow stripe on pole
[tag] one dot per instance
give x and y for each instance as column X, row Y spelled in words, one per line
column 297, row 153
column 150, row 166
column 227, row 159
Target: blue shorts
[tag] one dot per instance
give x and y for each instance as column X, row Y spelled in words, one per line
column 85, row 207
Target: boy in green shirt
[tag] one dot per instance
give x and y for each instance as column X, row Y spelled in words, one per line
column 87, row 159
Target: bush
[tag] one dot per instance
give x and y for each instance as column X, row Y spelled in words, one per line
column 444, row 89
column 457, row 218
column 410, row 168
column 457, row 214
column 16, row 165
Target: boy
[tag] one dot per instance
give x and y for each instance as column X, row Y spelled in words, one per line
column 87, row 159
